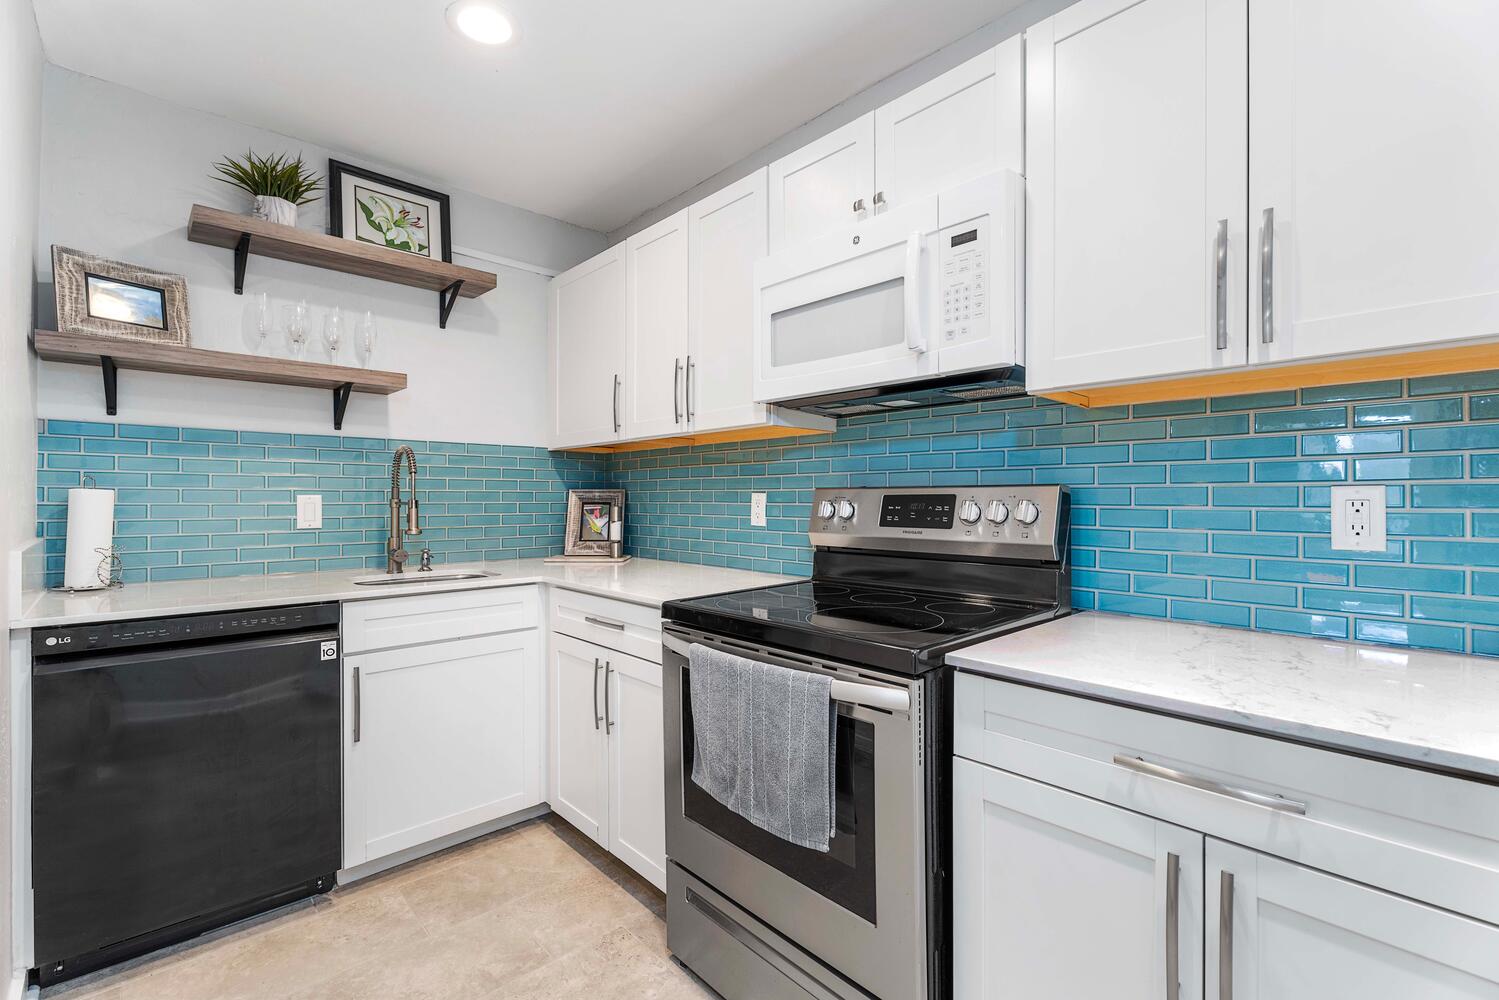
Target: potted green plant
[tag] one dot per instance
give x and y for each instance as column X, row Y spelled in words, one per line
column 278, row 183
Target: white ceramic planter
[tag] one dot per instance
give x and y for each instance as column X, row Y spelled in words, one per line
column 277, row 210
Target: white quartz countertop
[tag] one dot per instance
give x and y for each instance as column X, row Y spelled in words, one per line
column 1437, row 710
column 641, row 581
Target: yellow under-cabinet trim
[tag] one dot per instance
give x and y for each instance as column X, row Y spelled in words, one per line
column 761, row 433
column 1238, row 381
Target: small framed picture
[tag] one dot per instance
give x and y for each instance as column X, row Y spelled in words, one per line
column 589, row 514
column 372, row 208
column 109, row 298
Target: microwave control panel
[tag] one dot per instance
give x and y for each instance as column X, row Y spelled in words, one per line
column 964, row 257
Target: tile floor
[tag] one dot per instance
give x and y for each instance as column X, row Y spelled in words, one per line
column 533, row 911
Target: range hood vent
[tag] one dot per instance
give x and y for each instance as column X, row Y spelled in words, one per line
column 944, row 390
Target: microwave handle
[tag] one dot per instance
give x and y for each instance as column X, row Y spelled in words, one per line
column 915, row 334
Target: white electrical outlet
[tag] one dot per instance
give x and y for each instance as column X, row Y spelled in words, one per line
column 757, row 509
column 309, row 510
column 1358, row 518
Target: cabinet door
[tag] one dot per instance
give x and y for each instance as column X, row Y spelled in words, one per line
column 442, row 737
column 727, row 235
column 637, row 765
column 588, row 312
column 579, row 751
column 1058, row 897
column 656, row 352
column 813, row 190
column 1136, row 156
column 1374, row 149
column 966, row 123
column 1298, row 934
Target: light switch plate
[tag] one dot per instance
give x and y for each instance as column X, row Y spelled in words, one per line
column 757, row 510
column 1358, row 518
column 309, row 510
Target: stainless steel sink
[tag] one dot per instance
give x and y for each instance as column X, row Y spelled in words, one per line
column 417, row 577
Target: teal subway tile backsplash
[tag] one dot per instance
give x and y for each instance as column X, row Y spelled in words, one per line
column 1205, row 510
column 196, row 503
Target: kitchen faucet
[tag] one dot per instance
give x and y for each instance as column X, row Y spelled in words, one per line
column 395, row 545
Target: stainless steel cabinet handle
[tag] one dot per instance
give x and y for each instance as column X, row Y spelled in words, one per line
column 608, row 722
column 1275, row 802
column 1173, row 926
column 616, row 404
column 357, row 708
column 687, row 391
column 1220, row 285
column 597, row 718
column 1267, row 277
column 1225, row 936
column 858, row 205
column 879, row 198
column 676, row 390
column 606, row 623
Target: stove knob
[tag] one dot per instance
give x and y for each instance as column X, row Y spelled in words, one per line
column 825, row 510
column 845, row 510
column 970, row 512
column 1027, row 512
column 997, row 513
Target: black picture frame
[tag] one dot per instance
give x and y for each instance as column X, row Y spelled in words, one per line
column 338, row 168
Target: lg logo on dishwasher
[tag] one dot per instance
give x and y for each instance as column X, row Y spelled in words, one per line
column 330, row 650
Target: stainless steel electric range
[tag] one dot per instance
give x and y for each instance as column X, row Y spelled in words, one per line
column 899, row 579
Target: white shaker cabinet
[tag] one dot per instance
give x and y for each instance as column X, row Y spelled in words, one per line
column 657, row 340
column 579, row 745
column 824, row 186
column 588, row 316
column 1058, row 897
column 637, row 764
column 1293, row 933
column 1136, row 163
column 1374, row 149
column 966, row 123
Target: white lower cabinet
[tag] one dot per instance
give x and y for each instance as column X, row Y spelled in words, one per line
column 443, row 737
column 1293, row 933
column 1059, row 896
column 608, row 767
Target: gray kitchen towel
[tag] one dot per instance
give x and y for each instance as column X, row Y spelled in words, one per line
column 765, row 742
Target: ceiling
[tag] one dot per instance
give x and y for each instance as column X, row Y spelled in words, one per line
column 598, row 111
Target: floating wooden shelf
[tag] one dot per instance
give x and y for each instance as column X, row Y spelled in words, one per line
column 246, row 235
column 112, row 355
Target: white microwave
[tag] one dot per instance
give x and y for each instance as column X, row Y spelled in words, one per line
column 925, row 295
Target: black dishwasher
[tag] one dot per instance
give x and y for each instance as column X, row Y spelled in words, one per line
column 185, row 774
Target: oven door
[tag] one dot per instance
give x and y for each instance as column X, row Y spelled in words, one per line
column 860, row 908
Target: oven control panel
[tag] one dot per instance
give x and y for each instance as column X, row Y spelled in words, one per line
column 1027, row 522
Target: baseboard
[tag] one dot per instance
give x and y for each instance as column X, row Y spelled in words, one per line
column 19, row 990
column 399, row 858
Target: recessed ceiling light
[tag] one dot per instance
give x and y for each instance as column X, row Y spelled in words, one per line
column 482, row 21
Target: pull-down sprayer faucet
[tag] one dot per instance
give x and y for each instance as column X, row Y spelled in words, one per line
column 395, row 545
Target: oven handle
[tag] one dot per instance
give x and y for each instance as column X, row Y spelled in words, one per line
column 867, row 695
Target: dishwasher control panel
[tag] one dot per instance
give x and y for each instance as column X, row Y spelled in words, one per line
column 75, row 640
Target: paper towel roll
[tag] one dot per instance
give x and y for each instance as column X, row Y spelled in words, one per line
column 91, row 527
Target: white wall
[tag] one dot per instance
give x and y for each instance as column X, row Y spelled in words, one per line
column 20, row 124
column 867, row 100
column 120, row 171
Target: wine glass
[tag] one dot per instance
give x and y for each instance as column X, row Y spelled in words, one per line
column 295, row 319
column 333, row 332
column 258, row 320
column 365, row 337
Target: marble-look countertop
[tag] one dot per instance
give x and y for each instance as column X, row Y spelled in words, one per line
column 1435, row 710
column 641, row 581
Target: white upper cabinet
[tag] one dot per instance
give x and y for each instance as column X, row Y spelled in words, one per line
column 824, row 186
column 966, row 123
column 727, row 234
column 1137, row 166
column 657, row 342
column 588, row 333
column 1293, row 933
column 1375, row 151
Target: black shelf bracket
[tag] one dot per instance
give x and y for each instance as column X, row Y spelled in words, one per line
column 341, row 403
column 111, row 385
column 446, row 299
column 241, row 257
